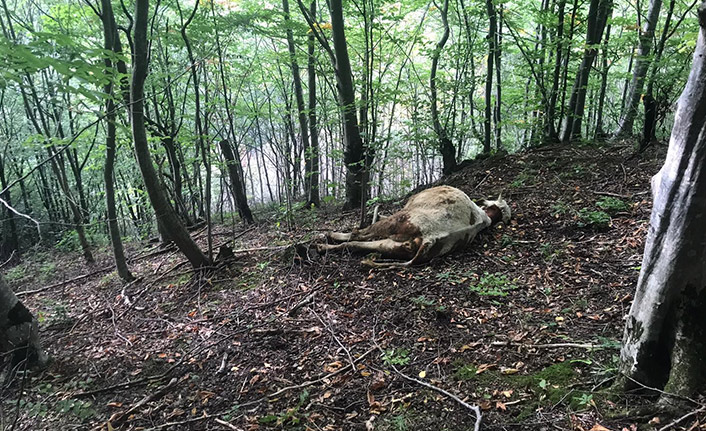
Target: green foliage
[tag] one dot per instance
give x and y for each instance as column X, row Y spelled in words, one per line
column 592, row 218
column 496, row 284
column 398, row 356
column 422, row 302
column 612, row 205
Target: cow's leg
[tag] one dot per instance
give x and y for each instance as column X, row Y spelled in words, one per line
column 340, row 236
column 384, row 246
column 419, row 257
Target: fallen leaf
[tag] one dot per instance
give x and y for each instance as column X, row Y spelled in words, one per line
column 599, row 427
column 422, row 374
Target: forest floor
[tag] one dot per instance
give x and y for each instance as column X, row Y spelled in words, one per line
column 525, row 323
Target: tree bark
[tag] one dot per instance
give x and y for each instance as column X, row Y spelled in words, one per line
column 492, row 30
column 110, row 34
column 299, row 97
column 664, row 343
column 446, row 147
column 236, row 183
column 19, row 331
column 353, row 154
column 598, row 14
column 312, row 156
column 642, row 65
column 163, row 210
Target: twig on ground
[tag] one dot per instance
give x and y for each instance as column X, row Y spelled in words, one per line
column 683, row 418
column 150, row 397
column 303, row 302
column 475, row 409
column 309, row 382
column 335, row 338
column 549, row 345
column 8, row 259
column 62, row 283
column 227, row 424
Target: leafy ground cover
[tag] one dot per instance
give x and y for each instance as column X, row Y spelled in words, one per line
column 526, row 323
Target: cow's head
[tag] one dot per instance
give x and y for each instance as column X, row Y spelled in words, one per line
column 498, row 210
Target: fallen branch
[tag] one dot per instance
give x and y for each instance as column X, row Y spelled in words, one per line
column 156, row 395
column 683, row 418
column 62, row 283
column 550, row 345
column 227, row 424
column 308, row 382
column 475, row 409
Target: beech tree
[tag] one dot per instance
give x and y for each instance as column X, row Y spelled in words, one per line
column 164, row 211
column 642, row 65
column 664, row 342
column 19, row 331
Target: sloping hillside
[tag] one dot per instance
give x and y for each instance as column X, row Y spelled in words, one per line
column 525, row 323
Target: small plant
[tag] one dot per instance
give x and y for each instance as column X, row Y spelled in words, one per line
column 493, row 285
column 560, row 208
column 584, row 400
column 506, row 240
column 590, row 218
column 397, row 356
column 612, row 205
column 467, row 372
column 17, row 273
column 47, row 271
column 422, row 301
column 523, row 178
column 450, row 276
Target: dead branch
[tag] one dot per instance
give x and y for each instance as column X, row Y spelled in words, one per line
column 475, row 409
column 150, row 397
column 308, row 382
column 549, row 345
column 63, row 283
column 682, row 419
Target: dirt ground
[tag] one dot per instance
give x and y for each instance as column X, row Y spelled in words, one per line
column 525, row 323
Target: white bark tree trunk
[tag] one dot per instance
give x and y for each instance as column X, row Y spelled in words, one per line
column 664, row 343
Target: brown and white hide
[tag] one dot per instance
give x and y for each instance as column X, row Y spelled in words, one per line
column 434, row 222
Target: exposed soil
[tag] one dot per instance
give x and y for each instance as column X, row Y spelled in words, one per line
column 524, row 323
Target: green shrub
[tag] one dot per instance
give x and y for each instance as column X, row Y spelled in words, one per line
column 612, row 205
column 591, row 218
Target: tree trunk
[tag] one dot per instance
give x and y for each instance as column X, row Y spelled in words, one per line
column 598, row 14
column 19, row 331
column 312, row 156
column 110, row 33
column 163, row 210
column 550, row 133
column 664, row 343
column 236, row 183
column 353, row 154
column 642, row 65
column 299, row 97
column 605, row 66
column 492, row 30
column 497, row 120
column 446, row 147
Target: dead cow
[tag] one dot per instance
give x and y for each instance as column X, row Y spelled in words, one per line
column 434, row 222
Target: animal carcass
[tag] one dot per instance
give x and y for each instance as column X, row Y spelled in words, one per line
column 434, row 222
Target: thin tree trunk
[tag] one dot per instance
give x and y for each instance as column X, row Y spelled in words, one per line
column 598, row 14
column 642, row 65
column 110, row 34
column 312, row 156
column 163, row 210
column 446, row 147
column 492, row 39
